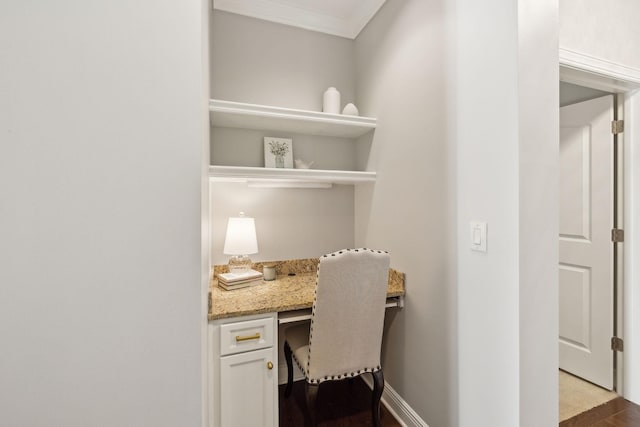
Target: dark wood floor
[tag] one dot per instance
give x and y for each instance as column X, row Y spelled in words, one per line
column 615, row 413
column 340, row 403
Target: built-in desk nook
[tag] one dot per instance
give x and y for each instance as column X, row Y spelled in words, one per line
column 243, row 338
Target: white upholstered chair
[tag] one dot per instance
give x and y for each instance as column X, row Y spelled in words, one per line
column 344, row 337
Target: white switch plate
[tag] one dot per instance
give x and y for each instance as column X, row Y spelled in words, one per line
column 478, row 236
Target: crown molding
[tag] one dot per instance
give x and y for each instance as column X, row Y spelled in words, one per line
column 620, row 75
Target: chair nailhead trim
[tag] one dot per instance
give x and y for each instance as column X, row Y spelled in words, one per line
column 313, row 311
column 340, row 376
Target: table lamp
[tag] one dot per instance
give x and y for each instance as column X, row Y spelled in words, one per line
column 240, row 242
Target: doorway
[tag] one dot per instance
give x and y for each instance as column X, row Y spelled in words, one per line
column 590, row 72
column 590, row 265
column 588, row 167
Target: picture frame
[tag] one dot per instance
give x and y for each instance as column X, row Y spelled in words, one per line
column 278, row 152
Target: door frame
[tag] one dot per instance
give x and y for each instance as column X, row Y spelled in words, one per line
column 592, row 72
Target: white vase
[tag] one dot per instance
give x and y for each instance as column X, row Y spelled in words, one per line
column 350, row 110
column 331, row 101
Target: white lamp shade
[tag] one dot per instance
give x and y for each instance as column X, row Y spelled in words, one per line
column 241, row 237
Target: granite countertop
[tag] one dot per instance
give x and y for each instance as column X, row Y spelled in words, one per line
column 286, row 293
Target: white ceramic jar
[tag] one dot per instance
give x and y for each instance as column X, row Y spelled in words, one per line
column 331, row 101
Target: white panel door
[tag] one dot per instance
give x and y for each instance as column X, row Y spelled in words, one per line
column 586, row 250
column 248, row 389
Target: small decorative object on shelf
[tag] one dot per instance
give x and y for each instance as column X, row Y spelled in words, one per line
column 331, row 101
column 301, row 164
column 278, row 152
column 350, row 110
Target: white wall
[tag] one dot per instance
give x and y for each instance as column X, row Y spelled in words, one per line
column 402, row 78
column 507, row 175
column 607, row 31
column 101, row 124
column 538, row 210
column 261, row 62
column 486, row 137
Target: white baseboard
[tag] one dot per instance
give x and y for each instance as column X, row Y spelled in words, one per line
column 395, row 404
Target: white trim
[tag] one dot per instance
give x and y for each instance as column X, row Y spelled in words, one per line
column 266, row 117
column 631, row 290
column 288, row 14
column 580, row 61
column 293, row 176
column 397, row 406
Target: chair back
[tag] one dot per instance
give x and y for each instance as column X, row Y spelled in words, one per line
column 348, row 314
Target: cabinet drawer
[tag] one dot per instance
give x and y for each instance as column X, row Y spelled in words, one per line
column 246, row 335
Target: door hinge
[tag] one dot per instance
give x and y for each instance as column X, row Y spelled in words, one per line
column 617, row 235
column 617, row 126
column 617, row 344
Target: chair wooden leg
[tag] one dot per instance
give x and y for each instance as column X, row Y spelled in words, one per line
column 287, row 356
column 378, row 387
column 311, row 392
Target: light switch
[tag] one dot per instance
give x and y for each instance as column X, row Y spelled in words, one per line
column 478, row 236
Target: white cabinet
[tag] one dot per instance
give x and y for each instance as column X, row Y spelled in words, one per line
column 248, row 398
column 263, row 117
column 243, row 375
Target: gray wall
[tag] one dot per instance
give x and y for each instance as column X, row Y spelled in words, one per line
column 402, row 80
column 571, row 94
column 265, row 63
column 290, row 223
column 471, row 323
column 242, row 147
column 102, row 124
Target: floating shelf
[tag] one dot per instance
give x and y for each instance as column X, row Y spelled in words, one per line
column 264, row 117
column 298, row 178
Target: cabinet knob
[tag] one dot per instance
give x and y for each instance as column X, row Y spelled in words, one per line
column 269, row 365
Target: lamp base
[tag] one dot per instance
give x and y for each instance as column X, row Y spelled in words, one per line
column 239, row 264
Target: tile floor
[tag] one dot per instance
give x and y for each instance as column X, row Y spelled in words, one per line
column 577, row 396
